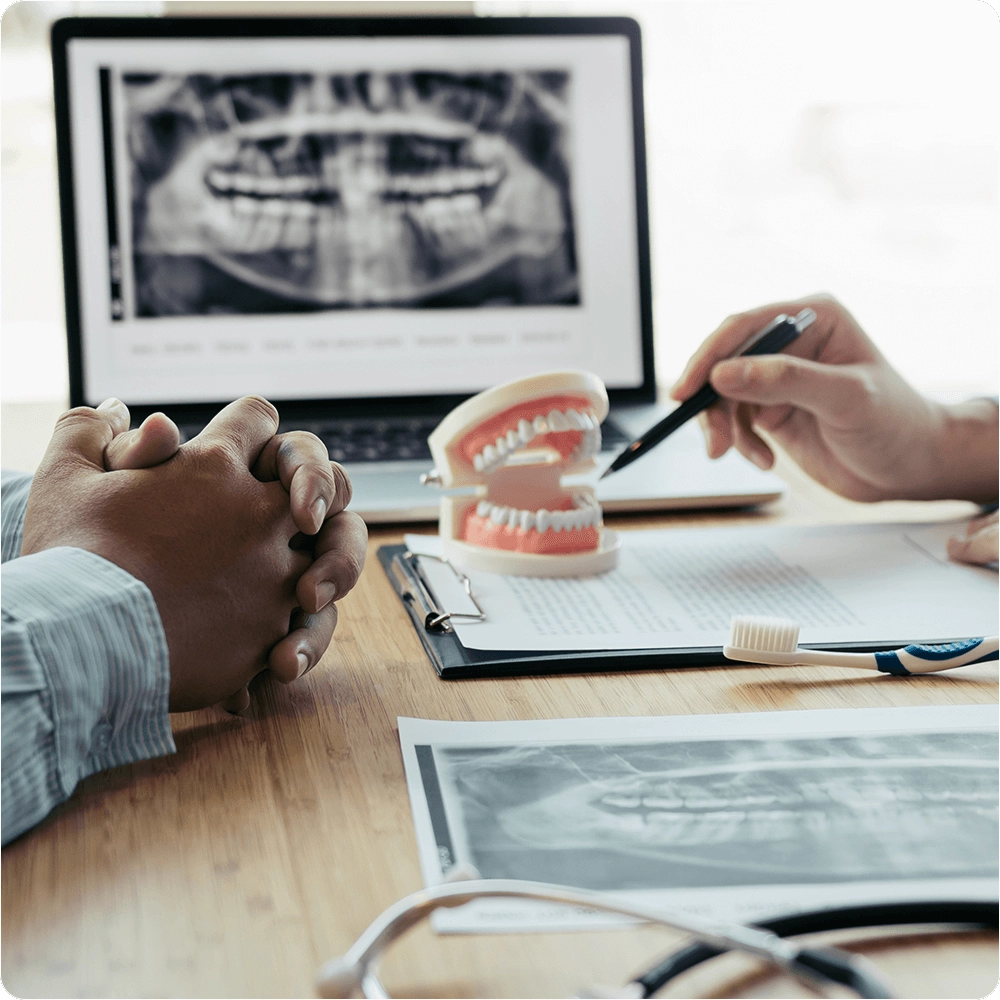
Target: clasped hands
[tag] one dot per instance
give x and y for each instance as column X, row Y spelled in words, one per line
column 240, row 534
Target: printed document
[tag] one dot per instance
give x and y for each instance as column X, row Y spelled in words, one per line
column 739, row 817
column 679, row 588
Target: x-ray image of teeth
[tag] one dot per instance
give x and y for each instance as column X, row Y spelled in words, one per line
column 270, row 193
column 718, row 813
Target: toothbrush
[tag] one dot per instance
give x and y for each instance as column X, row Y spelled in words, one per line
column 754, row 639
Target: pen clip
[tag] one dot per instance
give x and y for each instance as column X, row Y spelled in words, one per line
column 804, row 319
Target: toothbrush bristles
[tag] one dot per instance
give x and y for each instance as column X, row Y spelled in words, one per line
column 768, row 635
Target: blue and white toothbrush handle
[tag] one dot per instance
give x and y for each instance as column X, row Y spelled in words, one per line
column 920, row 659
column 913, row 659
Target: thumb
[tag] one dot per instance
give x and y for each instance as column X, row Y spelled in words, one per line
column 82, row 434
column 980, row 548
column 155, row 441
column 239, row 702
column 831, row 392
column 243, row 428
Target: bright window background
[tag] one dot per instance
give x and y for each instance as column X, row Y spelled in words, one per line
column 817, row 145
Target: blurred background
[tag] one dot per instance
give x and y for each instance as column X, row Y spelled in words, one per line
column 793, row 147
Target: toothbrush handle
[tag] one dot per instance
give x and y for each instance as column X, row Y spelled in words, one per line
column 913, row 659
column 917, row 658
column 834, row 658
column 922, row 659
column 817, row 657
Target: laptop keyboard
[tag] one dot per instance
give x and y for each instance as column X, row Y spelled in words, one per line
column 392, row 440
column 398, row 439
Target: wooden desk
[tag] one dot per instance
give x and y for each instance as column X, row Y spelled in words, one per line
column 266, row 844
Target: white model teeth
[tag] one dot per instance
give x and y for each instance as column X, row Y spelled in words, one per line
column 585, row 514
column 590, row 445
column 494, row 455
column 558, row 421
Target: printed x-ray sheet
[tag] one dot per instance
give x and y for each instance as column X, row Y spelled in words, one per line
column 734, row 816
column 679, row 588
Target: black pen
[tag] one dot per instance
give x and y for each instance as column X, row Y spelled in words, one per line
column 779, row 333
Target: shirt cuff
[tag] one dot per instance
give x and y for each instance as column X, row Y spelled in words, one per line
column 98, row 639
column 14, row 489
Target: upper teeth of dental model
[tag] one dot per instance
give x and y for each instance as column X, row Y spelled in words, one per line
column 555, row 421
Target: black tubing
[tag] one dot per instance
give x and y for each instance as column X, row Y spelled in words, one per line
column 971, row 914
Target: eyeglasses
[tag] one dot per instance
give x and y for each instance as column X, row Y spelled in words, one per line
column 816, row 967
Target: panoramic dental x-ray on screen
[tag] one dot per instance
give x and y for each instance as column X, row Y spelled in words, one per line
column 326, row 217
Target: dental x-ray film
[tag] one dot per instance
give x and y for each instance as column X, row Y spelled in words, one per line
column 284, row 192
column 741, row 816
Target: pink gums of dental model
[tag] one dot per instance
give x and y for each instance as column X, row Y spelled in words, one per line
column 514, row 443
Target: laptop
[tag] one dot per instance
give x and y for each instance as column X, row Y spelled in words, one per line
column 365, row 220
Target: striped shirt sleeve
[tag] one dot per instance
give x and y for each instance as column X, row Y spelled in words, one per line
column 85, row 677
column 14, row 489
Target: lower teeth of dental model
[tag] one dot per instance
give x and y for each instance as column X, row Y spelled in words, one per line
column 585, row 514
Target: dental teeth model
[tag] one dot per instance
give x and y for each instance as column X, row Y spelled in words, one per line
column 515, row 443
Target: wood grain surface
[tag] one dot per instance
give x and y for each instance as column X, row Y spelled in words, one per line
column 267, row 843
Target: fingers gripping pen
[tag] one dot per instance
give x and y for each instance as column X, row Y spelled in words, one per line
column 778, row 334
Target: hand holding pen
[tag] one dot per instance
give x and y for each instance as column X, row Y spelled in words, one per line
column 779, row 333
column 841, row 411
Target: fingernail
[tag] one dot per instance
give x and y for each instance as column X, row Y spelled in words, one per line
column 760, row 460
column 303, row 663
column 319, row 512
column 325, row 592
column 110, row 404
column 710, row 443
column 736, row 371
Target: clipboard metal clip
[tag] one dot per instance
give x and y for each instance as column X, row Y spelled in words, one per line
column 415, row 590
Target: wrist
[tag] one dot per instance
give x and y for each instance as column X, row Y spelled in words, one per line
column 965, row 454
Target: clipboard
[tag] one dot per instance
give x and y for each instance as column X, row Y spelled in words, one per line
column 454, row 661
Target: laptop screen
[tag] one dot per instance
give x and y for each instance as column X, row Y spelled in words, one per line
column 336, row 217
